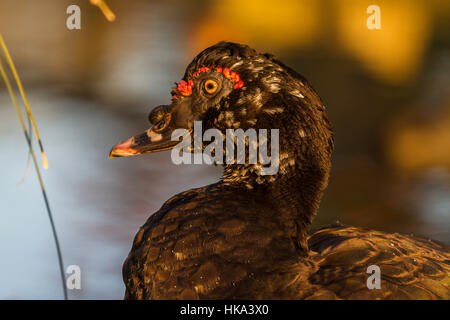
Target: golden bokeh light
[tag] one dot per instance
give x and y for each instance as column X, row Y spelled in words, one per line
column 396, row 51
column 265, row 24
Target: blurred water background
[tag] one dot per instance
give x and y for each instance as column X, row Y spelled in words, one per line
column 387, row 92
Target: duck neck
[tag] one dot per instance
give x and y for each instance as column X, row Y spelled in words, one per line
column 294, row 193
column 297, row 198
column 295, row 190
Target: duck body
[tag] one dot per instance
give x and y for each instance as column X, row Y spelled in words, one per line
column 236, row 249
column 246, row 236
column 214, row 242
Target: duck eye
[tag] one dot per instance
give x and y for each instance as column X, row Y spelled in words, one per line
column 210, row 86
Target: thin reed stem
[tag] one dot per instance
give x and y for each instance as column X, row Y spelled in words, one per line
column 33, row 156
column 24, row 98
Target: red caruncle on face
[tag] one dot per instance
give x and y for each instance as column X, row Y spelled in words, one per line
column 185, row 87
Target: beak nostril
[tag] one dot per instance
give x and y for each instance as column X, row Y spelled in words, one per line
column 162, row 123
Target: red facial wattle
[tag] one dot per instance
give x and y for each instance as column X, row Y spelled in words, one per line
column 185, row 87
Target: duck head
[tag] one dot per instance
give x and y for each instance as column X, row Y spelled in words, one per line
column 231, row 86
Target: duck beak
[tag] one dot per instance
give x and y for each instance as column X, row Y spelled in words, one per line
column 157, row 138
column 149, row 141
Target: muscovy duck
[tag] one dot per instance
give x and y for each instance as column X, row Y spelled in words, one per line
column 246, row 236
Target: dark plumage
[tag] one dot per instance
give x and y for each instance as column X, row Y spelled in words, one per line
column 246, row 237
